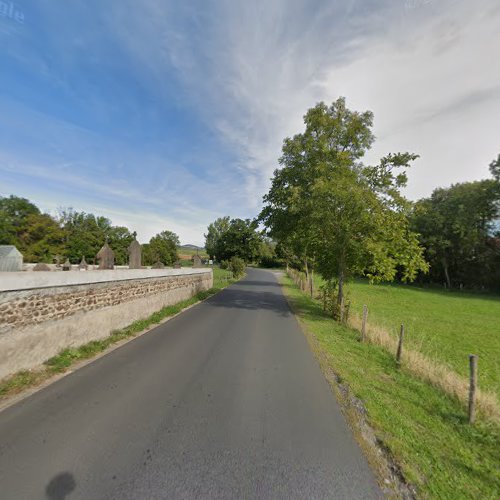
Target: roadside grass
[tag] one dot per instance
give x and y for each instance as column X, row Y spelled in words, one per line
column 61, row 362
column 446, row 326
column 422, row 429
column 439, row 364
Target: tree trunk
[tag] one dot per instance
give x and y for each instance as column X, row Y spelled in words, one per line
column 341, row 287
column 446, row 274
column 312, row 283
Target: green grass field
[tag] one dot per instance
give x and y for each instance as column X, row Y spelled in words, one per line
column 446, row 326
column 424, row 430
column 187, row 253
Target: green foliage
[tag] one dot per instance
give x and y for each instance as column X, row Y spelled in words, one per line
column 268, row 256
column 37, row 236
column 495, row 168
column 42, row 239
column 237, row 266
column 456, row 226
column 227, row 238
column 161, row 248
column 214, row 232
column 85, row 234
column 329, row 298
column 119, row 239
column 270, row 262
column 327, row 209
column 73, row 235
column 14, row 213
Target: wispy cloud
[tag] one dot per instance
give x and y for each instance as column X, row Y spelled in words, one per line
column 174, row 113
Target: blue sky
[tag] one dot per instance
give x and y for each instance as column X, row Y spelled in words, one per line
column 167, row 114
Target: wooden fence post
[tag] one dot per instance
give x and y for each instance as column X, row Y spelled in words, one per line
column 400, row 346
column 342, row 310
column 472, row 387
column 363, row 324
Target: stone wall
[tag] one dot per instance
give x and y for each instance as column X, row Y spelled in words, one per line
column 38, row 320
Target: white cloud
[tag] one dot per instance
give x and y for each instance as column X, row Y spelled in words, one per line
column 429, row 71
column 427, row 68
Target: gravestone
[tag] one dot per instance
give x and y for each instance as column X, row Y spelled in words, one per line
column 11, row 259
column 134, row 255
column 66, row 266
column 197, row 261
column 158, row 265
column 177, row 265
column 106, row 257
column 41, row 267
column 83, row 266
column 57, row 260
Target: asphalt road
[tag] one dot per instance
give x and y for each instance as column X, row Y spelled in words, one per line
column 224, row 401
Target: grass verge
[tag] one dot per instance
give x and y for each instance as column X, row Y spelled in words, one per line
column 431, row 321
column 61, row 362
column 422, row 429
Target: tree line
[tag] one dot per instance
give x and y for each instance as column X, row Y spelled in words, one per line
column 74, row 235
column 227, row 238
column 328, row 212
column 460, row 231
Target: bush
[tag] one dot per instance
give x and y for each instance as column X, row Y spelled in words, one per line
column 224, row 264
column 237, row 266
column 329, row 299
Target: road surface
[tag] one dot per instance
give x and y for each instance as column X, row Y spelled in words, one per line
column 224, row 401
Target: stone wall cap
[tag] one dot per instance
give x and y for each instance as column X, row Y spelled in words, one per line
column 16, row 281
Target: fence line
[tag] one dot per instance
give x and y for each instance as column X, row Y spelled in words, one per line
column 425, row 368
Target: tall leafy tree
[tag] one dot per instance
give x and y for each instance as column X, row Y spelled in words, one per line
column 214, row 232
column 227, row 238
column 162, row 248
column 241, row 239
column 325, row 203
column 495, row 168
column 42, row 239
column 85, row 234
column 37, row 236
column 119, row 238
column 14, row 219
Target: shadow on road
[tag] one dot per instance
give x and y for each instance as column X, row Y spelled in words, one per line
column 60, row 486
column 236, row 298
column 258, row 283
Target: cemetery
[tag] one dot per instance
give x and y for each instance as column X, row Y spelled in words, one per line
column 46, row 308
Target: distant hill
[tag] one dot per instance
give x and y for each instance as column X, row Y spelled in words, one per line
column 187, row 251
column 191, row 247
